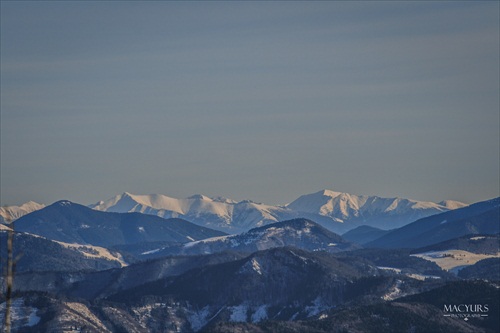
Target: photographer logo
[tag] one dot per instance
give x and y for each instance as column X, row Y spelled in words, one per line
column 465, row 311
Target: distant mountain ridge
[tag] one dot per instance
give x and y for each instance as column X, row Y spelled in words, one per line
column 11, row 213
column 339, row 212
column 478, row 218
column 85, row 269
column 383, row 213
column 299, row 233
column 69, row 222
column 217, row 213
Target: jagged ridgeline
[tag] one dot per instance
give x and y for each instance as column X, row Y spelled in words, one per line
column 336, row 211
column 87, row 270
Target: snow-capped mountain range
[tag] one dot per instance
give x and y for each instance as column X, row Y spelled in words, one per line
column 68, row 222
column 336, row 211
column 11, row 213
column 216, row 213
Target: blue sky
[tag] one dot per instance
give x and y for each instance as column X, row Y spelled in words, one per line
column 249, row 100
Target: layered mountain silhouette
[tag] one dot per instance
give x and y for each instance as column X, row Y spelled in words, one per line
column 86, row 269
column 300, row 233
column 12, row 213
column 364, row 234
column 336, row 211
column 35, row 253
column 282, row 283
column 73, row 223
column 479, row 218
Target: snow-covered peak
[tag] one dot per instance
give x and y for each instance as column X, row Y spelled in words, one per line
column 452, row 204
column 159, row 201
column 31, row 205
column 328, row 203
column 345, row 206
column 11, row 213
column 128, row 202
column 217, row 213
column 311, row 202
column 330, row 193
column 326, row 207
column 200, row 197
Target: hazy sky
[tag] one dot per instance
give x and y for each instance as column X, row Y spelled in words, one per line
column 249, row 100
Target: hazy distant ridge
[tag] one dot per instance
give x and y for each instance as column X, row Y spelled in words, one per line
column 336, row 211
column 12, row 213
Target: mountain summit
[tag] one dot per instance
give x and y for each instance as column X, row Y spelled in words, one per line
column 479, row 218
column 11, row 213
column 299, row 233
column 65, row 221
column 339, row 212
column 217, row 213
column 384, row 213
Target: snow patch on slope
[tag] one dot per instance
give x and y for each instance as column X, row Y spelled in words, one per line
column 454, row 260
column 259, row 314
column 238, row 313
column 95, row 252
column 198, row 319
column 316, row 307
column 394, row 291
column 208, row 240
column 21, row 315
column 415, row 276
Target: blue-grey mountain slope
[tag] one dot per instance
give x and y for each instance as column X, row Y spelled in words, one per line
column 73, row 223
column 479, row 218
column 281, row 283
column 300, row 233
column 36, row 254
column 92, row 285
column 478, row 243
column 457, row 254
column 486, row 269
column 364, row 234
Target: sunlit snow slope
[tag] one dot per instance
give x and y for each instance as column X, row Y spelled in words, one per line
column 336, row 211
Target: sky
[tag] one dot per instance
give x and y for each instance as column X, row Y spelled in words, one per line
column 263, row 101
